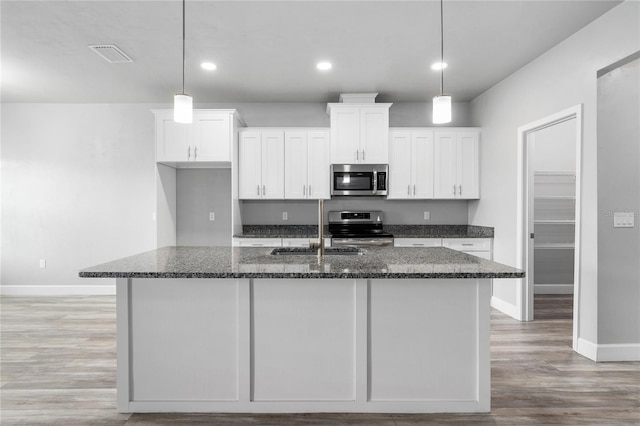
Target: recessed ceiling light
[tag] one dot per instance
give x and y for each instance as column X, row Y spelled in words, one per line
column 209, row 66
column 324, row 66
column 439, row 66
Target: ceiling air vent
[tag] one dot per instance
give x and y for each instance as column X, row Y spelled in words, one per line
column 111, row 53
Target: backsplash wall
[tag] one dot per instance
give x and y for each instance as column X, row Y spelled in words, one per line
column 396, row 212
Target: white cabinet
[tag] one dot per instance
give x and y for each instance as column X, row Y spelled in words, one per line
column 481, row 247
column 257, row 242
column 456, row 165
column 359, row 133
column 209, row 138
column 410, row 164
column 417, row 242
column 261, row 165
column 306, row 164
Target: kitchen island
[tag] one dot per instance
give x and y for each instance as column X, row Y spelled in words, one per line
column 221, row 329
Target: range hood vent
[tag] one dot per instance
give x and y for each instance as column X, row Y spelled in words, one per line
column 111, row 53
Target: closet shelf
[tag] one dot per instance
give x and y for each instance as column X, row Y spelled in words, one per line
column 555, row 221
column 554, row 246
column 555, row 197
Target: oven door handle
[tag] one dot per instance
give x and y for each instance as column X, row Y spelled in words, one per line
column 361, row 242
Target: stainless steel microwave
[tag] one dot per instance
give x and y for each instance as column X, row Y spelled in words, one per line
column 359, row 179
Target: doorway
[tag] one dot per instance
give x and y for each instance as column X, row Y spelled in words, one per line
column 549, row 210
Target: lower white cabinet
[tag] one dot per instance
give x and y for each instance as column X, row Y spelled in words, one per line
column 277, row 242
column 257, row 242
column 481, row 247
column 417, row 242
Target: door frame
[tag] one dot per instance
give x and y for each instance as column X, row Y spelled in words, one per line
column 524, row 294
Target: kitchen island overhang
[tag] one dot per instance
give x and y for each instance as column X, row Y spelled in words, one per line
column 220, row 329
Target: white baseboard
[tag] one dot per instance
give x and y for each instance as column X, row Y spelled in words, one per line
column 553, row 288
column 505, row 308
column 608, row 352
column 58, row 290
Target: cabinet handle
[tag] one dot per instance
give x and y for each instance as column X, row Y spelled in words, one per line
column 460, row 189
column 258, row 188
column 309, row 190
column 195, row 152
column 263, row 190
column 418, row 245
column 304, row 190
column 414, row 190
column 189, row 153
column 357, row 154
column 363, row 155
column 467, row 244
column 454, row 190
column 408, row 189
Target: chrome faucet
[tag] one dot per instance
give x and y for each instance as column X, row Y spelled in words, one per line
column 320, row 244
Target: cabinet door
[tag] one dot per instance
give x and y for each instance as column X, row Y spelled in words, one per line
column 295, row 165
column 212, row 136
column 318, row 179
column 345, row 135
column 273, row 165
column 422, row 164
column 468, row 165
column 400, row 182
column 172, row 139
column 250, row 165
column 374, row 135
column 444, row 167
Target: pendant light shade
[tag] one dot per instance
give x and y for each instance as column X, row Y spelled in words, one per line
column 441, row 109
column 183, row 103
column 182, row 108
column 441, row 102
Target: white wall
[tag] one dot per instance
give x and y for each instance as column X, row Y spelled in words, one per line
column 78, row 190
column 619, row 191
column 561, row 78
column 555, row 147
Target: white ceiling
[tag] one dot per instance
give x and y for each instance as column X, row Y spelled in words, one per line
column 266, row 51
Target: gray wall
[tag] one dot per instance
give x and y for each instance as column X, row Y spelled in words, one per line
column 562, row 77
column 619, row 191
column 78, row 184
column 396, row 212
column 199, row 192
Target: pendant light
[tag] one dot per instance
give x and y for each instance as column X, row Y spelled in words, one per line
column 441, row 102
column 183, row 103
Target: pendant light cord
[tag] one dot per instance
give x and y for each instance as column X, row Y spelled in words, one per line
column 183, row 37
column 441, row 49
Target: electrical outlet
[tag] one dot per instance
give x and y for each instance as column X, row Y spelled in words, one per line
column 427, row 215
column 43, row 263
column 212, row 216
column 285, row 216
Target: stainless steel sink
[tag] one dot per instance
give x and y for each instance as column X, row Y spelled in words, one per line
column 329, row 251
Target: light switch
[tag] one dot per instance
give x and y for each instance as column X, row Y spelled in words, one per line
column 285, row 216
column 212, row 216
column 43, row 263
column 623, row 219
column 427, row 215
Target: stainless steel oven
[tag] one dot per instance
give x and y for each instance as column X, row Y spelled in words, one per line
column 359, row 179
column 358, row 229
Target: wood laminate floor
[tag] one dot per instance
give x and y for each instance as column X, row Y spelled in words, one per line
column 58, row 366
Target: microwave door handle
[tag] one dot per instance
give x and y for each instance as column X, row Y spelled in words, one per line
column 375, row 181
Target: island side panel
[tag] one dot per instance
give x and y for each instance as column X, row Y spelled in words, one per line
column 429, row 342
column 303, row 340
column 185, row 340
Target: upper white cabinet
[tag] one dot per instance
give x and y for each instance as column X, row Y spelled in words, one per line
column 359, row 133
column 410, row 164
column 209, row 138
column 456, row 164
column 261, row 165
column 306, row 164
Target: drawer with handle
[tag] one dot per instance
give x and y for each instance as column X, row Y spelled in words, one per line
column 467, row 244
column 417, row 242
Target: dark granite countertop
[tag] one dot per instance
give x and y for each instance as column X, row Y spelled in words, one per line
column 398, row 231
column 254, row 262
